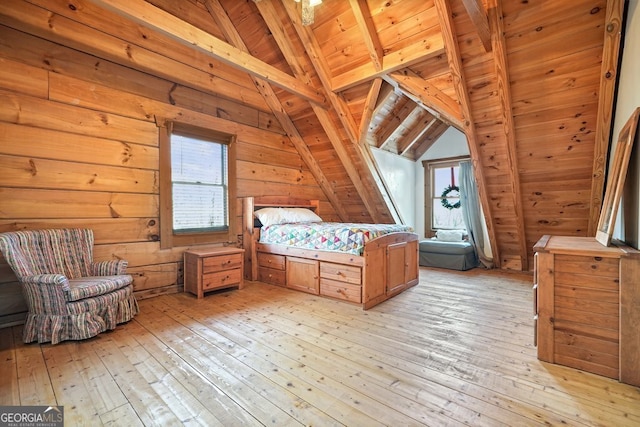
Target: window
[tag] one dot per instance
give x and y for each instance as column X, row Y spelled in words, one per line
column 197, row 186
column 442, row 196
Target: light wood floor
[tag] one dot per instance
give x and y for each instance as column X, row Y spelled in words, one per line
column 456, row 349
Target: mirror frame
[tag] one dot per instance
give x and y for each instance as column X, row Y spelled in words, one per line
column 616, row 178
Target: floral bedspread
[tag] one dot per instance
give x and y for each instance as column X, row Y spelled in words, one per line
column 329, row 236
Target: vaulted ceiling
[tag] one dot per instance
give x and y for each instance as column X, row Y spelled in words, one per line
column 529, row 82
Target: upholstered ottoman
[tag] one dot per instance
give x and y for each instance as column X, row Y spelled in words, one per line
column 458, row 255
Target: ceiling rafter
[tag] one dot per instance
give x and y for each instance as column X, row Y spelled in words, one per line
column 148, row 15
column 361, row 11
column 218, row 13
column 369, row 109
column 416, row 133
column 270, row 16
column 425, row 93
column 480, row 21
column 455, row 65
column 435, row 131
column 418, row 52
column 397, row 118
column 317, row 59
column 499, row 51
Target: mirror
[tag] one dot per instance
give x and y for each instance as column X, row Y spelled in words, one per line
column 615, row 182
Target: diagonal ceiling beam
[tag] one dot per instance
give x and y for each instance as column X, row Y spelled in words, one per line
column 428, row 95
column 418, row 52
column 221, row 18
column 148, row 15
column 478, row 16
column 434, row 132
column 460, row 84
column 369, row 110
column 504, row 95
column 416, row 133
column 361, row 11
column 340, row 106
column 396, row 119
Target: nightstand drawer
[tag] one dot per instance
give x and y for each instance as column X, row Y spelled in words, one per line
column 222, row 262
column 221, row 279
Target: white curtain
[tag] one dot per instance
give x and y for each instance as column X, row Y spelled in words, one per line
column 472, row 214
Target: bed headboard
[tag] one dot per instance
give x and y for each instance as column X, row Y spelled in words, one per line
column 249, row 232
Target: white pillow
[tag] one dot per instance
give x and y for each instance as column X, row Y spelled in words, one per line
column 271, row 216
column 449, row 235
column 299, row 215
column 268, row 216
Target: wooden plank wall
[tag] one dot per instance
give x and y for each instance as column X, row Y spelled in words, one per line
column 79, row 148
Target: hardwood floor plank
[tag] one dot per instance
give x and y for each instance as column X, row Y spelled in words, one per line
column 33, row 377
column 10, row 393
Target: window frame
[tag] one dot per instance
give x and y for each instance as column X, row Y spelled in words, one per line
column 169, row 239
column 428, row 166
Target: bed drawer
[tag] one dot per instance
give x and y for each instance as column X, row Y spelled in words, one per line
column 341, row 273
column 341, row 290
column 271, row 261
column 271, row 276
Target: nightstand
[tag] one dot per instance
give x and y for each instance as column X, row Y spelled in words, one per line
column 212, row 268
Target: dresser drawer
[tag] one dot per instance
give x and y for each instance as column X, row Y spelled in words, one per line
column 272, row 276
column 221, row 279
column 341, row 273
column 271, row 261
column 341, row 290
column 221, row 262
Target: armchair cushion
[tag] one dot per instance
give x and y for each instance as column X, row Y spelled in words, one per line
column 86, row 287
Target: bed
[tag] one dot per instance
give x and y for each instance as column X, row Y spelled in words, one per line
column 367, row 273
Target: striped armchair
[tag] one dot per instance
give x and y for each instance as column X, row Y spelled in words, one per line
column 69, row 296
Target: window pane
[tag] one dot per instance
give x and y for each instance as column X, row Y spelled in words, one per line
column 199, row 185
column 445, row 218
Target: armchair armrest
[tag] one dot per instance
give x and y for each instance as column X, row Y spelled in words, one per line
column 109, row 268
column 46, row 293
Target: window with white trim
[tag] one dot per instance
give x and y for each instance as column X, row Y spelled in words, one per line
column 197, row 185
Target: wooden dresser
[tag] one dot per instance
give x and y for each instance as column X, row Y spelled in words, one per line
column 587, row 306
column 211, row 268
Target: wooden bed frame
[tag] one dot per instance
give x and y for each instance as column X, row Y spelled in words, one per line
column 388, row 265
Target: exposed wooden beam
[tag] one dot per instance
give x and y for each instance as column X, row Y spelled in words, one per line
column 418, row 52
column 455, row 65
column 478, row 16
column 150, row 16
column 340, row 106
column 608, row 77
column 416, row 132
column 272, row 20
column 82, row 30
column 429, row 95
column 369, row 34
column 434, row 132
column 504, row 96
column 395, row 120
column 386, row 92
column 368, row 110
column 218, row 13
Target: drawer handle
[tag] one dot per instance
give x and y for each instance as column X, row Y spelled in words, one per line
column 269, row 261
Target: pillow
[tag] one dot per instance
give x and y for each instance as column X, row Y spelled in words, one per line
column 299, row 215
column 271, row 216
column 449, row 235
column 268, row 216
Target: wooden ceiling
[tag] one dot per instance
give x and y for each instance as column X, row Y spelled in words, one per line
column 529, row 82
